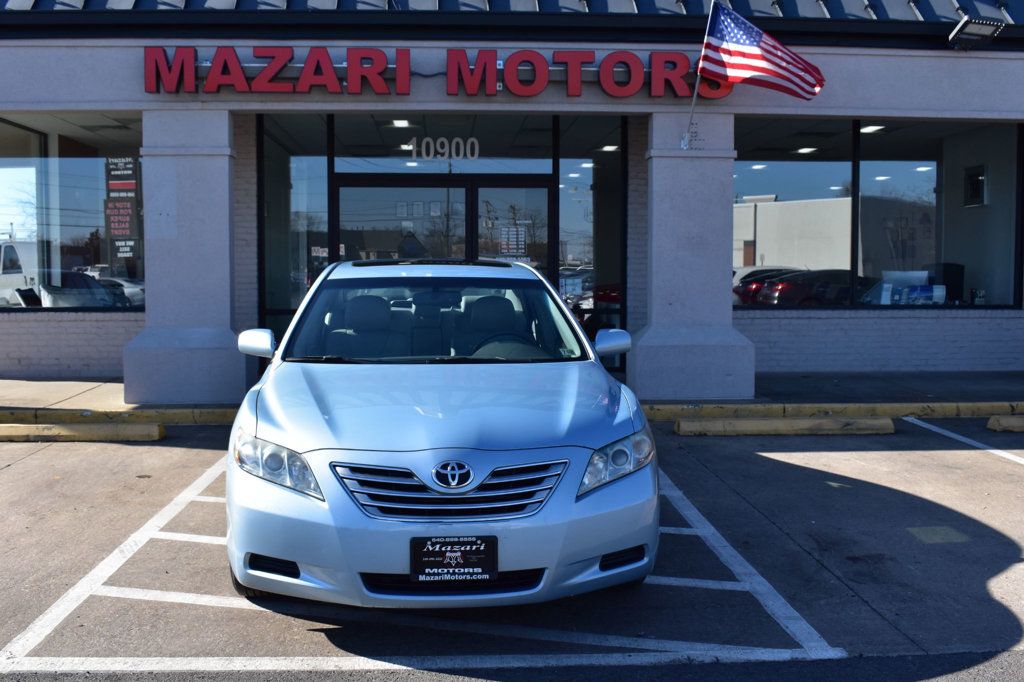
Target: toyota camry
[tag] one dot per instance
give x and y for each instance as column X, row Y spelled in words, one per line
column 438, row 434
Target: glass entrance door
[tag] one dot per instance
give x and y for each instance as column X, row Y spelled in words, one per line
column 401, row 222
column 512, row 224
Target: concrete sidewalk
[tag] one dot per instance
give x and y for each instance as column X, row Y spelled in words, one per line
column 803, row 401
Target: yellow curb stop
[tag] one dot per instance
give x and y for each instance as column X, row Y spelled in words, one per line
column 1006, row 423
column 675, row 411
column 789, row 426
column 20, row 433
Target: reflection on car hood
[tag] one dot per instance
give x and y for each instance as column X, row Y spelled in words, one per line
column 416, row 407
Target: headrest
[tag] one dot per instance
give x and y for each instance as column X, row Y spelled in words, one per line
column 368, row 314
column 492, row 313
column 428, row 312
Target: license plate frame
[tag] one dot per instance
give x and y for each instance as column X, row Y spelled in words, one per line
column 453, row 559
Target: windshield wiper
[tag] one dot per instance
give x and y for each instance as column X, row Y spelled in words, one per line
column 329, row 360
column 460, row 359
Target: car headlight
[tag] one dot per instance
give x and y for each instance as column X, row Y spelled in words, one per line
column 274, row 463
column 617, row 459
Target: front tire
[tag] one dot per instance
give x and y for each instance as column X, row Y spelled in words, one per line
column 242, row 590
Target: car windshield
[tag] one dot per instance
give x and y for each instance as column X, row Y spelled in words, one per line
column 433, row 320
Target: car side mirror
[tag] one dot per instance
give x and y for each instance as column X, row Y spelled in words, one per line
column 258, row 342
column 612, row 342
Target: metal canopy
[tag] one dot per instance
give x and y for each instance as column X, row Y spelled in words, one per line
column 916, row 11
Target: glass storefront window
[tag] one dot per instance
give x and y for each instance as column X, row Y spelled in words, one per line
column 295, row 207
column 791, row 212
column 513, row 224
column 402, row 222
column 591, row 209
column 442, row 143
column 71, row 220
column 484, row 186
column 938, row 213
column 936, row 202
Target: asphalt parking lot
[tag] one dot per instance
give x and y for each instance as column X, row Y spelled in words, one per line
column 802, row 556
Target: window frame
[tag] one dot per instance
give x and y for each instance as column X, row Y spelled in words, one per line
column 44, row 190
column 855, row 234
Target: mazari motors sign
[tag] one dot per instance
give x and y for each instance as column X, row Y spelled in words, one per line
column 522, row 73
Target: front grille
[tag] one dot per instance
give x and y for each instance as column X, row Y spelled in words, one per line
column 400, row 584
column 391, row 493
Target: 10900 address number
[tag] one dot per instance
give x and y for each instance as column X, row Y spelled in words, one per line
column 444, row 148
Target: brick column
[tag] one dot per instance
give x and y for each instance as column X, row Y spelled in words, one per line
column 186, row 353
column 689, row 348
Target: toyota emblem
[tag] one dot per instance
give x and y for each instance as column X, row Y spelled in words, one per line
column 452, row 474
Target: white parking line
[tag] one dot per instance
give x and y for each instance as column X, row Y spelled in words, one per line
column 965, row 440
column 21, row 645
column 190, row 537
column 773, row 602
column 210, row 498
column 730, row 585
column 675, row 530
column 362, row 664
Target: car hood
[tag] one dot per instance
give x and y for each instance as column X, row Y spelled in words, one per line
column 306, row 407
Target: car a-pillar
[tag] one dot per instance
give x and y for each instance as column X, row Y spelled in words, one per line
column 689, row 348
column 186, row 353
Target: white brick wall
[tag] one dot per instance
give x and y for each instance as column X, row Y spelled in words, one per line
column 636, row 224
column 245, row 313
column 56, row 345
column 884, row 340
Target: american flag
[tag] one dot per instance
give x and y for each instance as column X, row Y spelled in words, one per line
column 736, row 51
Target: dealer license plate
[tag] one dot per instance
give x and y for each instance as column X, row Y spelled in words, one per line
column 454, row 559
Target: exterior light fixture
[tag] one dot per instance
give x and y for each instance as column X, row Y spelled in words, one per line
column 586, row 165
column 610, row 148
column 883, row 177
column 406, row 147
column 574, row 175
column 972, row 32
column 922, row 169
column 806, row 150
column 400, row 123
column 871, row 129
column 561, row 187
column 759, row 166
column 835, row 187
column 412, row 164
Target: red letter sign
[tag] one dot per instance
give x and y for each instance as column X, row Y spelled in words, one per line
column 574, row 61
column 711, row 89
column 670, row 68
column 402, row 71
column 225, row 69
column 279, row 58
column 318, row 71
column 373, row 72
column 540, row 73
column 485, row 69
column 170, row 77
column 606, row 74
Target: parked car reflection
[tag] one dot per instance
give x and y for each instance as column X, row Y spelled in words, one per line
column 811, row 288
column 68, row 289
column 748, row 281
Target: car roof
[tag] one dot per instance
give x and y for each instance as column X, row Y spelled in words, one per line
column 484, row 269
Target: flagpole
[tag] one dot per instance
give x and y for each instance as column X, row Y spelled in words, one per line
column 696, row 84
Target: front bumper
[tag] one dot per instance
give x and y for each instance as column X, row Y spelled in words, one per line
column 335, row 543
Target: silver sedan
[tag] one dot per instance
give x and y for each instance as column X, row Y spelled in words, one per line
column 438, row 435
